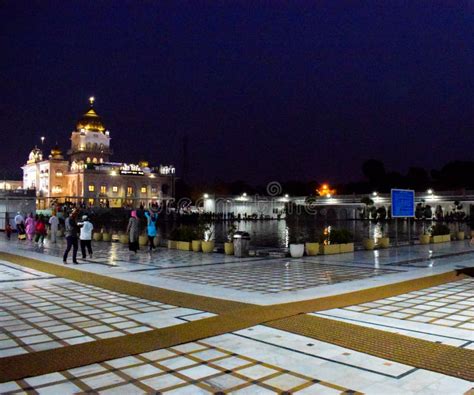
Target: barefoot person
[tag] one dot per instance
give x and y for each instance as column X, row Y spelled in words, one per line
column 53, row 226
column 151, row 218
column 30, row 225
column 86, row 236
column 71, row 231
column 40, row 231
column 132, row 230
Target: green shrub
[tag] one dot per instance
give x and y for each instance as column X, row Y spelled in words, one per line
column 340, row 236
column 440, row 229
column 183, row 233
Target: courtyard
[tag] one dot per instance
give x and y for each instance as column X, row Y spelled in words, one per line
column 399, row 320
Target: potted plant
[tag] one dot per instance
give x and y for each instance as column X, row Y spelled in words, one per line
column 460, row 235
column 143, row 239
column 297, row 244
column 106, row 236
column 97, row 236
column 337, row 241
column 208, row 242
column 123, row 238
column 440, row 233
column 381, row 240
column 184, row 238
column 312, row 248
column 198, row 236
column 229, row 244
column 368, row 243
column 425, row 236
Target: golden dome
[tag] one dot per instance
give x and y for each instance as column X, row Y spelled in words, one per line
column 56, row 152
column 91, row 120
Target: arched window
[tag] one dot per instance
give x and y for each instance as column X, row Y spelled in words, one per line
column 94, row 160
column 88, row 160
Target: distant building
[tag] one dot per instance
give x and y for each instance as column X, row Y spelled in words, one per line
column 9, row 185
column 88, row 177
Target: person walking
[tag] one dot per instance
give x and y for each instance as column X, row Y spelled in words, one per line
column 30, row 226
column 40, row 231
column 71, row 230
column 151, row 218
column 20, row 225
column 132, row 230
column 8, row 230
column 53, row 226
column 86, row 236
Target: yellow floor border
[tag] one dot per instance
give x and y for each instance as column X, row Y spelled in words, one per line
column 423, row 354
column 232, row 316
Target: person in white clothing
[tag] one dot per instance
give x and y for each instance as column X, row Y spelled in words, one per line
column 19, row 224
column 53, row 226
column 86, row 236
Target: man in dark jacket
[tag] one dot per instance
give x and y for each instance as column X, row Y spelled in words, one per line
column 71, row 232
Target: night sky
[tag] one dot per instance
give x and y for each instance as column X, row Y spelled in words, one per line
column 266, row 91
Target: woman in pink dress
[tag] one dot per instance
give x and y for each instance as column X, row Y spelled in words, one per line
column 30, row 226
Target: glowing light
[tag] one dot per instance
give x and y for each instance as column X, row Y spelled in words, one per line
column 113, row 173
column 91, row 100
column 244, row 194
column 206, row 196
column 430, row 191
column 374, row 194
column 42, row 139
column 287, row 196
column 326, row 190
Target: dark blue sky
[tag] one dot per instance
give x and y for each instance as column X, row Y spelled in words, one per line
column 265, row 91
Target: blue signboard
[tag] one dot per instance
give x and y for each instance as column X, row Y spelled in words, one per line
column 403, row 203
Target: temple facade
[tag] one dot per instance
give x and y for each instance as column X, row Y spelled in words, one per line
column 87, row 176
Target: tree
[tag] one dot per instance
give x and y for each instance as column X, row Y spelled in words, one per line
column 374, row 171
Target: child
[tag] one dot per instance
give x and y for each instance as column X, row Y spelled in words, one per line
column 40, row 231
column 8, row 231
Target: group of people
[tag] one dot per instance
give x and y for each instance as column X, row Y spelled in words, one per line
column 31, row 228
column 77, row 231
column 133, row 230
column 80, row 233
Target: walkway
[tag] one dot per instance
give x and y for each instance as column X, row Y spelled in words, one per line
column 368, row 322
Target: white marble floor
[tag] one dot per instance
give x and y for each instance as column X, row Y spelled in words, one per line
column 286, row 279
column 256, row 360
column 39, row 312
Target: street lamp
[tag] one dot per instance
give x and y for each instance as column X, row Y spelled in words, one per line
column 374, row 194
column 42, row 140
column 430, row 191
column 206, row 196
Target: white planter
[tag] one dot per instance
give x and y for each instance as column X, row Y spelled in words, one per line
column 296, row 250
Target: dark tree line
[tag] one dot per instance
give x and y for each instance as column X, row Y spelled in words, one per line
column 456, row 175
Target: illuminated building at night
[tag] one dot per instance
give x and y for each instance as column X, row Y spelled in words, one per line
column 87, row 176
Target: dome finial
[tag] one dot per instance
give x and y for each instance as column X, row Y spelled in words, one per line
column 91, row 100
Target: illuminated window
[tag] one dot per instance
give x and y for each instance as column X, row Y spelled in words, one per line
column 57, row 189
column 59, row 173
column 101, row 160
column 129, row 191
column 91, row 202
column 88, row 160
column 91, row 187
column 143, row 189
column 94, row 160
column 103, row 189
column 153, row 189
column 115, row 188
